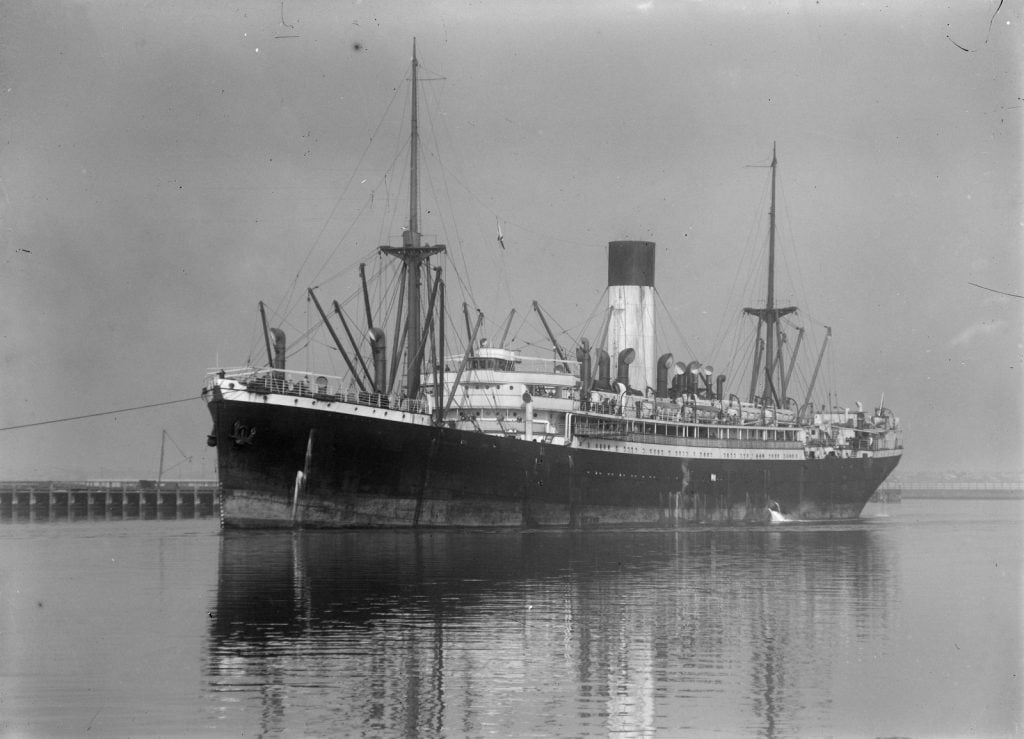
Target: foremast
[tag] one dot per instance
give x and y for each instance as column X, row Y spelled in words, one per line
column 414, row 254
column 771, row 368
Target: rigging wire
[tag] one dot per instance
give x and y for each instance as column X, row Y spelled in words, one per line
column 993, row 290
column 754, row 252
column 258, row 339
column 390, row 215
column 522, row 323
column 434, row 153
column 286, row 303
column 506, row 221
column 739, row 356
column 96, row 415
column 496, row 255
column 461, row 251
column 798, row 284
column 347, row 269
column 679, row 332
column 742, row 268
column 167, row 435
column 596, row 311
column 185, row 458
column 177, row 464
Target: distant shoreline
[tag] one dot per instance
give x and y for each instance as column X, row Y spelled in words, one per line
column 961, row 490
column 960, row 494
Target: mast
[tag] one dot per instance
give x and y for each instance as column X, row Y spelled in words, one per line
column 414, row 163
column 337, row 341
column 821, row 354
column 551, row 335
column 266, row 335
column 769, row 306
column 412, row 380
column 412, row 252
column 792, row 362
column 770, row 314
column 160, row 472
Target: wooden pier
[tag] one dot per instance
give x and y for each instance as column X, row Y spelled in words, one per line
column 108, row 500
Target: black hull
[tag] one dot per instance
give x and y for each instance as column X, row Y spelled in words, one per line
column 367, row 471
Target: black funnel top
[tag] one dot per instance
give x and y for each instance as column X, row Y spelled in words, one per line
column 631, row 263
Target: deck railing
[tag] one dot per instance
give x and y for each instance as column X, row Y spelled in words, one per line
column 325, row 388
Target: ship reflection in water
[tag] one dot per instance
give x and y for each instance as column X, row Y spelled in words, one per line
column 453, row 633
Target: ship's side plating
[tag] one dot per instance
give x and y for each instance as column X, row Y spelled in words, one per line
column 376, row 466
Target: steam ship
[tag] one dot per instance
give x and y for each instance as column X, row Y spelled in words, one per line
column 613, row 435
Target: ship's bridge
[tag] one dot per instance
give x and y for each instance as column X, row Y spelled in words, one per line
column 492, row 389
column 488, row 366
column 488, row 358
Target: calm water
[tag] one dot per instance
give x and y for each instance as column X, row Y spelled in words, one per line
column 905, row 623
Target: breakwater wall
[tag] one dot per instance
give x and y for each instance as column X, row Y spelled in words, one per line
column 108, row 500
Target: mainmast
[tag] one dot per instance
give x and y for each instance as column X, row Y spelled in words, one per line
column 769, row 307
column 412, row 243
column 414, row 159
column 770, row 316
column 412, row 252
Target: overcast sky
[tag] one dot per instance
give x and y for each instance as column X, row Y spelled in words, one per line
column 163, row 166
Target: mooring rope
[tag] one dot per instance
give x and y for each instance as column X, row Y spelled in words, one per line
column 94, row 415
